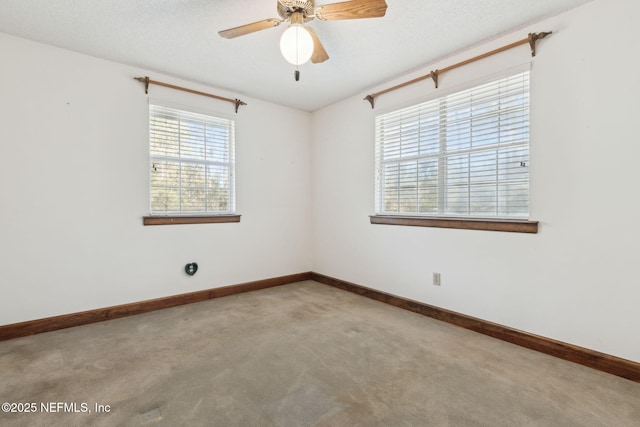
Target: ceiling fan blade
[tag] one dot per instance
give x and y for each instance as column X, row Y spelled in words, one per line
column 319, row 54
column 355, row 9
column 249, row 28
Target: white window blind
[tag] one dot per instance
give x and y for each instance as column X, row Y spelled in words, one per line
column 465, row 154
column 192, row 162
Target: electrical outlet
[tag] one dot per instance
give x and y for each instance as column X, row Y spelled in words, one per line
column 436, row 279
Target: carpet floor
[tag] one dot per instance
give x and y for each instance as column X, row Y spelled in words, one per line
column 304, row 354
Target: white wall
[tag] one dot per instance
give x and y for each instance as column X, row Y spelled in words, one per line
column 576, row 280
column 74, row 186
column 74, row 189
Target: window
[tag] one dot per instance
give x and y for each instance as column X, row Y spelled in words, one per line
column 462, row 155
column 192, row 163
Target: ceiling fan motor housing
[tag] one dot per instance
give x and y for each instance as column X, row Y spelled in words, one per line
column 287, row 8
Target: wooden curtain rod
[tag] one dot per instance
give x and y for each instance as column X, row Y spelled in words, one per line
column 147, row 81
column 531, row 39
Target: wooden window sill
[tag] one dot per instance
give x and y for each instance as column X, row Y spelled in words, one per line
column 194, row 219
column 514, row 226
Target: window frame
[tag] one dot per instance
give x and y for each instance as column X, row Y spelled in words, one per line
column 443, row 220
column 190, row 216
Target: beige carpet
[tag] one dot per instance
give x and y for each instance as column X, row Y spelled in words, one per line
column 303, row 354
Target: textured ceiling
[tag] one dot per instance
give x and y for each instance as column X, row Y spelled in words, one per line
column 179, row 37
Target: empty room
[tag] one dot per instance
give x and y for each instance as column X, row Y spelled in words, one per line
column 317, row 213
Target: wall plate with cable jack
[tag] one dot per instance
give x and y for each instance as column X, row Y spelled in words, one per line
column 191, row 268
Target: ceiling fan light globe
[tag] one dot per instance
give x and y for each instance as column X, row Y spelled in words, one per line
column 296, row 44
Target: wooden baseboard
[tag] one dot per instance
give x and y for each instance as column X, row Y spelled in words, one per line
column 583, row 356
column 32, row 327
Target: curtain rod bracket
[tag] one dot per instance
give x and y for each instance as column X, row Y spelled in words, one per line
column 372, row 99
column 238, row 104
column 144, row 80
column 434, row 77
column 534, row 37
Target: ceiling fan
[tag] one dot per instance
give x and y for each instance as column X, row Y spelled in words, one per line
column 300, row 43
